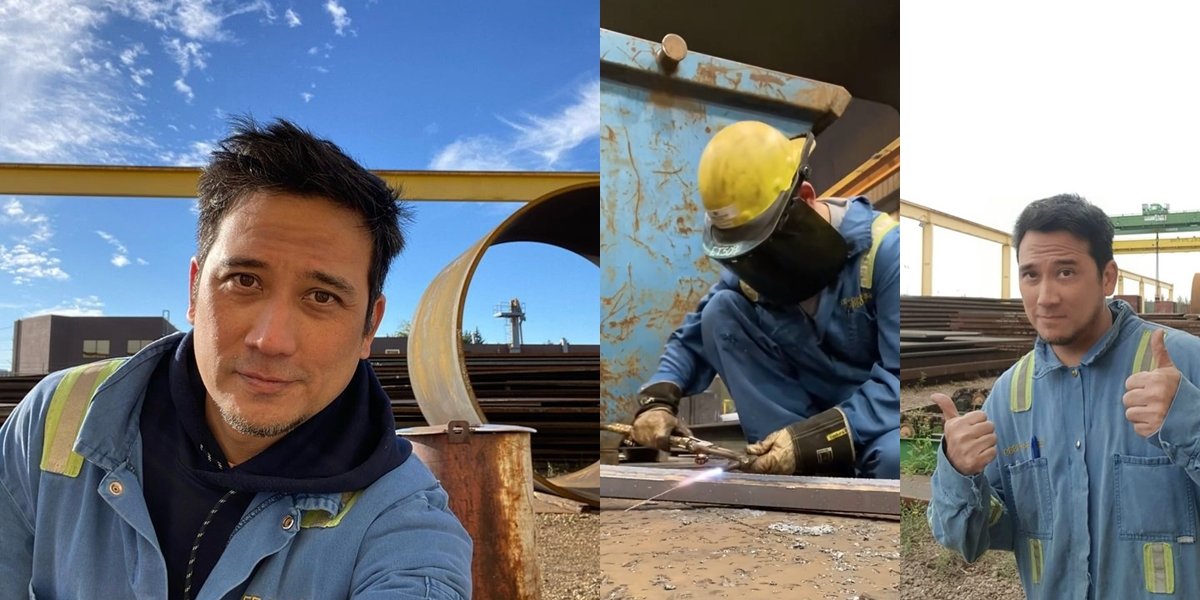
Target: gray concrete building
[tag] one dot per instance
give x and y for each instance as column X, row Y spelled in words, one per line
column 52, row 342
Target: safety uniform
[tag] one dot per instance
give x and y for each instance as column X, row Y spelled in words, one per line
column 782, row 365
column 1091, row 509
column 75, row 522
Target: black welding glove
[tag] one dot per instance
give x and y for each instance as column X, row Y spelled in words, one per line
column 819, row 445
column 655, row 420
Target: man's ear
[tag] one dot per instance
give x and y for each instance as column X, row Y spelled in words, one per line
column 193, row 276
column 376, row 319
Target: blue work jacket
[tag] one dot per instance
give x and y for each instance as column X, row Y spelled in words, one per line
column 847, row 354
column 1091, row 509
column 91, row 536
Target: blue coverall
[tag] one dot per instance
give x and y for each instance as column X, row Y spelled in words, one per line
column 1096, row 510
column 91, row 535
column 782, row 366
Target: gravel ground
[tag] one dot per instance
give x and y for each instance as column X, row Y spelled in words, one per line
column 569, row 555
column 931, row 572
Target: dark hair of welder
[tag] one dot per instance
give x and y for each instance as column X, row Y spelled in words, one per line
column 1073, row 214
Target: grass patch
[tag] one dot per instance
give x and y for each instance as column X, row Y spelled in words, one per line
column 921, row 459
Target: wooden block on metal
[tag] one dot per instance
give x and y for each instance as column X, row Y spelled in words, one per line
column 824, row 494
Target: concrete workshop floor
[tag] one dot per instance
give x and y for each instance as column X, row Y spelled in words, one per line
column 678, row 551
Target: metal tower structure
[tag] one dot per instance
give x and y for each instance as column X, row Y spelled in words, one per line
column 515, row 314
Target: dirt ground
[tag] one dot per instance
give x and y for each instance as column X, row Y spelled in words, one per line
column 932, row 572
column 569, row 555
column 675, row 551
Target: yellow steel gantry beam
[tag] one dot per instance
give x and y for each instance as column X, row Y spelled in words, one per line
column 871, row 176
column 930, row 218
column 180, row 182
column 1190, row 244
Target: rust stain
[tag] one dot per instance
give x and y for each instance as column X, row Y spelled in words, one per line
column 706, row 72
column 638, row 195
column 765, row 79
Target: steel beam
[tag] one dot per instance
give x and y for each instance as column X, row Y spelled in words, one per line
column 876, row 177
column 823, row 494
column 1189, row 244
column 180, row 182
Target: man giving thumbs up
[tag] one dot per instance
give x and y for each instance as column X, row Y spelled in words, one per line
column 1148, row 394
column 1085, row 460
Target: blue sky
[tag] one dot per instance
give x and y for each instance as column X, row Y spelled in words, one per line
column 449, row 86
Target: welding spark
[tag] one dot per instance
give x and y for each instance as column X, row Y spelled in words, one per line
column 704, row 475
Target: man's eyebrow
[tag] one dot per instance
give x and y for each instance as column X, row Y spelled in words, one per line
column 332, row 281
column 1069, row 262
column 338, row 283
column 235, row 262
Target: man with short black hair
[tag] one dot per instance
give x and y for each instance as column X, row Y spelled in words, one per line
column 1085, row 458
column 255, row 456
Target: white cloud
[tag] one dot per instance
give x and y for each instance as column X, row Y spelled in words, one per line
column 139, row 76
column 61, row 102
column 184, row 89
column 130, row 54
column 479, row 153
column 313, row 51
column 90, row 306
column 16, row 213
column 540, row 141
column 142, row 262
column 196, row 155
column 307, row 97
column 186, row 54
column 120, row 258
column 111, row 239
column 293, row 19
column 321, row 69
column 25, row 264
column 338, row 12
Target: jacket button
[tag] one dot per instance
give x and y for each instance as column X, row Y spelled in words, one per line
column 115, row 488
column 1076, row 444
column 288, row 521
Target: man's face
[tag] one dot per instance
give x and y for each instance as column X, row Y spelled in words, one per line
column 278, row 309
column 1061, row 288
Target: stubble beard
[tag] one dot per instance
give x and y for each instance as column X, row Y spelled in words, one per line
column 238, row 423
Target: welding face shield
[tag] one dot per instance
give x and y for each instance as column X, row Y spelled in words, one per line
column 755, row 225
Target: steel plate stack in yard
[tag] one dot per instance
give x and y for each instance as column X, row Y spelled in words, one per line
column 553, row 392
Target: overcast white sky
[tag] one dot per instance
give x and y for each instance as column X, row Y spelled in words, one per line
column 1009, row 102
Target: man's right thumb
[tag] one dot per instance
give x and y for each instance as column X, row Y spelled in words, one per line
column 946, row 404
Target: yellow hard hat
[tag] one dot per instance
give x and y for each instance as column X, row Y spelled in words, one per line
column 744, row 169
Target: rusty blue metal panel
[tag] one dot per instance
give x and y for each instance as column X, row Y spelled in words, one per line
column 655, row 121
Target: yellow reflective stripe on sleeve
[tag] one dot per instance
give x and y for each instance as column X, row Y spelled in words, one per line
column 320, row 518
column 1035, row 560
column 1143, row 359
column 64, row 418
column 1021, row 392
column 1159, row 568
column 881, row 226
column 995, row 511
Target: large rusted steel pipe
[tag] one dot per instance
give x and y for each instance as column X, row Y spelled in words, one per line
column 487, row 470
column 567, row 218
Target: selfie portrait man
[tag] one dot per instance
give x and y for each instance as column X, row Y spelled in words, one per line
column 1085, row 459
column 256, row 455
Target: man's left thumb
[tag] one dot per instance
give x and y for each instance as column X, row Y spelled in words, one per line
column 1157, row 344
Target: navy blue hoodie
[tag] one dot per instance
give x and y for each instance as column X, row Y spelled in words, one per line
column 195, row 500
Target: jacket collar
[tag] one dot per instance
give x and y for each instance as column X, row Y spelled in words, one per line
column 1125, row 324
